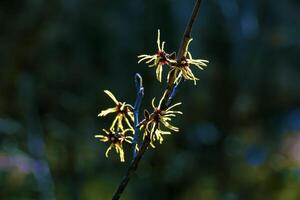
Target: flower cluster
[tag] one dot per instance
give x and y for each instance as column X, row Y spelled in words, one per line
column 123, row 112
column 181, row 66
column 158, row 123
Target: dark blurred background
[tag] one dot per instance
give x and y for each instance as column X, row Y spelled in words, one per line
column 240, row 132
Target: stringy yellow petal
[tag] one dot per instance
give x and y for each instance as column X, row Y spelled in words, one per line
column 111, row 96
column 169, row 126
column 107, row 111
column 108, row 149
column 158, row 40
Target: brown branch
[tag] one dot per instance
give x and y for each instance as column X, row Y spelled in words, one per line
column 134, row 163
column 132, row 168
column 181, row 51
column 188, row 30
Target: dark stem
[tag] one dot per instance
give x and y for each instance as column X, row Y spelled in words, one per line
column 188, row 30
column 171, row 87
column 132, row 168
column 170, row 94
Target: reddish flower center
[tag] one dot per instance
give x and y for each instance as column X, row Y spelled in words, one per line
column 115, row 138
column 156, row 116
column 162, row 57
column 122, row 111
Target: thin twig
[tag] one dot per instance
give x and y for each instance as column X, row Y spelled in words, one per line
column 188, row 30
column 139, row 96
column 174, row 92
column 132, row 168
column 170, row 92
column 181, row 51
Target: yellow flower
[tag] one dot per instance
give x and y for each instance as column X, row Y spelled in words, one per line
column 124, row 112
column 183, row 66
column 159, row 59
column 152, row 125
column 116, row 139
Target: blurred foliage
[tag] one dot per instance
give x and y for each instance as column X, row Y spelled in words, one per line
column 240, row 132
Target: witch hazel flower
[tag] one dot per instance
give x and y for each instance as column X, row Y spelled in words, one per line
column 159, row 59
column 116, row 140
column 124, row 112
column 182, row 67
column 152, row 123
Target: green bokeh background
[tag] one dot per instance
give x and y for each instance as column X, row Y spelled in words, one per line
column 240, row 132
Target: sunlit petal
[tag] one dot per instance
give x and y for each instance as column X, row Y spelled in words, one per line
column 107, row 111
column 108, row 149
column 111, row 96
column 158, row 40
column 176, row 104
